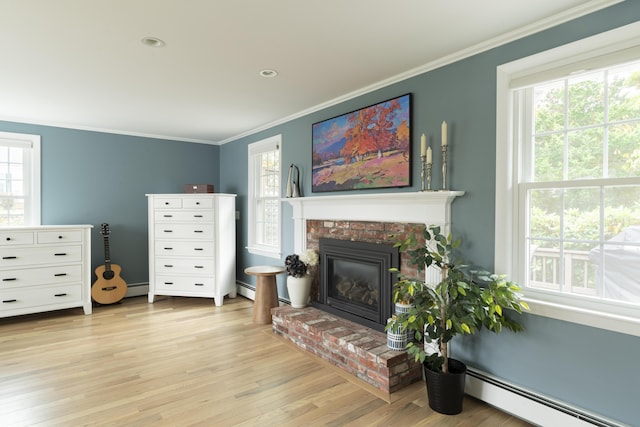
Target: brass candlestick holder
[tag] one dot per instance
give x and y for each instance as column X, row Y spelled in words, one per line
column 444, row 167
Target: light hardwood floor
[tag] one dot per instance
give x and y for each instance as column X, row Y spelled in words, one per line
column 185, row 362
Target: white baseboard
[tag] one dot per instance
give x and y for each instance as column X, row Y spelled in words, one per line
column 246, row 291
column 137, row 289
column 529, row 406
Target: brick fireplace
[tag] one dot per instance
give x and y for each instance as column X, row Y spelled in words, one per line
column 376, row 239
column 373, row 218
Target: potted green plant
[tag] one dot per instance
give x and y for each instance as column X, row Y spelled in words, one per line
column 299, row 279
column 463, row 302
column 404, row 291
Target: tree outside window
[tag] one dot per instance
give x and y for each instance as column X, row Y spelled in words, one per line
column 582, row 184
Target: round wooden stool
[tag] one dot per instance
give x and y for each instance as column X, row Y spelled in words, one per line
column 266, row 291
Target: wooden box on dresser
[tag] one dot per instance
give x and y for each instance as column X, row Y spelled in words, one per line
column 44, row 268
column 192, row 245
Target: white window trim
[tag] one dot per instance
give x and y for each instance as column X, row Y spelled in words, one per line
column 596, row 313
column 268, row 144
column 33, row 163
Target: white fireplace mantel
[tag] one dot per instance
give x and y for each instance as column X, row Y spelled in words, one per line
column 424, row 207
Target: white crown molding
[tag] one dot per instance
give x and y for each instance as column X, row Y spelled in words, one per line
column 102, row 130
column 568, row 15
column 573, row 13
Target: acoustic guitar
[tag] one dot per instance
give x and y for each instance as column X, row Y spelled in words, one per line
column 109, row 287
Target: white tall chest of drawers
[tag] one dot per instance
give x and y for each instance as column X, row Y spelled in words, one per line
column 45, row 268
column 192, row 245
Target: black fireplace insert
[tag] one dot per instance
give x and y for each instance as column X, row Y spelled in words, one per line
column 355, row 281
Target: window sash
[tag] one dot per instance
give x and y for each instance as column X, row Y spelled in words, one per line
column 561, row 278
column 264, row 197
column 20, row 179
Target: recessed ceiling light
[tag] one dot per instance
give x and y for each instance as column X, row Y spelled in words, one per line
column 152, row 42
column 268, row 73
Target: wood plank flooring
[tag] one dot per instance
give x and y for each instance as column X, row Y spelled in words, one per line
column 185, row 362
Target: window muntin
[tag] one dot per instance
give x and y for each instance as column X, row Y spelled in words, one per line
column 19, row 179
column 264, row 196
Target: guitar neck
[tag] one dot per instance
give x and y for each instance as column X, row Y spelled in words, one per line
column 107, row 256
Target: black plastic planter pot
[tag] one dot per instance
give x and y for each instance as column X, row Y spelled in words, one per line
column 446, row 391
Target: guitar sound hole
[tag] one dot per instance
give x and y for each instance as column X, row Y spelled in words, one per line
column 108, row 275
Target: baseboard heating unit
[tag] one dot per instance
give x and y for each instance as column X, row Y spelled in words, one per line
column 137, row 289
column 247, row 291
column 529, row 406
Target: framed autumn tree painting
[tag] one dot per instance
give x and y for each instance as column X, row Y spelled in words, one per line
column 367, row 148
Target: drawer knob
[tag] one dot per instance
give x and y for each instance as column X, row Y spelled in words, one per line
column 9, row 300
column 198, row 249
column 61, row 254
column 9, row 279
column 197, row 203
column 168, row 265
column 199, row 284
column 60, row 295
column 168, row 231
column 198, row 266
column 59, row 274
column 168, row 216
column 168, row 249
column 8, row 238
column 60, row 237
column 168, row 283
column 198, row 216
column 197, row 231
column 166, row 203
column 9, row 257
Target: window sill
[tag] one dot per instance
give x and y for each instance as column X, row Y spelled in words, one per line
column 622, row 323
column 264, row 252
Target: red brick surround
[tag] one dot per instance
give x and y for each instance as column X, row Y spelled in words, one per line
column 358, row 350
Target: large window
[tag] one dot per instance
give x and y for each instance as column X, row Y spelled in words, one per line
column 572, row 146
column 264, row 197
column 19, row 179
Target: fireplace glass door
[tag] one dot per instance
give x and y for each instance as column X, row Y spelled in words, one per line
column 355, row 280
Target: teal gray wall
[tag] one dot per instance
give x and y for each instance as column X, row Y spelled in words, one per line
column 93, row 177
column 586, row 367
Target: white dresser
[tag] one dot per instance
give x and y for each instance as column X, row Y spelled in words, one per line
column 44, row 268
column 192, row 245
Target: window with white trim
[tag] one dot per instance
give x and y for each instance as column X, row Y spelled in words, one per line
column 19, row 179
column 264, row 197
column 568, row 161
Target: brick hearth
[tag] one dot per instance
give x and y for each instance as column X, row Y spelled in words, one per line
column 358, row 350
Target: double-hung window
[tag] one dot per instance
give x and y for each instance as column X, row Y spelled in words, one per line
column 19, row 179
column 264, row 197
column 568, row 160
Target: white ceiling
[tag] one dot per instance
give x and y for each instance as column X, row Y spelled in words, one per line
column 81, row 63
